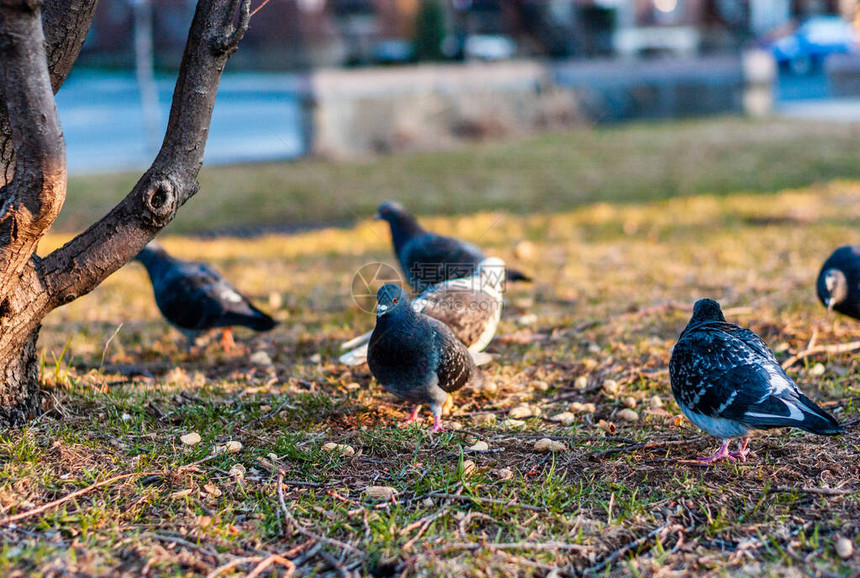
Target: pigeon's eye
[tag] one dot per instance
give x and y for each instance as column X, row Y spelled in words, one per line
column 394, row 300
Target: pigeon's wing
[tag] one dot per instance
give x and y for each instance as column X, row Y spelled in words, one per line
column 717, row 373
column 472, row 315
column 198, row 297
column 751, row 340
column 455, row 367
column 430, row 259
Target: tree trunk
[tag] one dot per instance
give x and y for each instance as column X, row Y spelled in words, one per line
column 33, row 172
column 19, row 388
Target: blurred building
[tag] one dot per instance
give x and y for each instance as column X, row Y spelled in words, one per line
column 291, row 34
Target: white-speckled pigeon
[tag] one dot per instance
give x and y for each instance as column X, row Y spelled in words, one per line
column 727, row 382
column 195, row 298
column 427, row 258
column 416, row 357
column 471, row 307
column 839, row 281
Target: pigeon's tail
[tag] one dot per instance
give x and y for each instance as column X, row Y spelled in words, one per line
column 258, row 321
column 818, row 421
column 481, row 358
column 354, row 357
column 514, row 275
column 800, row 412
column 360, row 340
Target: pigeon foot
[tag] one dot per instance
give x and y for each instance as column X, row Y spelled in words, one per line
column 722, row 454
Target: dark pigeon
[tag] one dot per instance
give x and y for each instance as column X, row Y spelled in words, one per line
column 839, row 281
column 426, row 258
column 727, row 382
column 471, row 307
column 415, row 357
column 195, row 298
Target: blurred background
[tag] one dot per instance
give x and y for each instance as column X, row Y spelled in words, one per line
column 347, row 78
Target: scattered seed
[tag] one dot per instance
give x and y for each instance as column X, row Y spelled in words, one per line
column 627, row 415
column 380, row 492
column 844, row 548
column 190, row 439
column 547, row 445
column 479, row 446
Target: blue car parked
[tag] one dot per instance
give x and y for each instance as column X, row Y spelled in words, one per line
column 813, row 41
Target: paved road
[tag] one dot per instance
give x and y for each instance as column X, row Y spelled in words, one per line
column 257, row 117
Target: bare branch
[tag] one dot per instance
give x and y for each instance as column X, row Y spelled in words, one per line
column 32, row 200
column 65, row 24
column 80, row 265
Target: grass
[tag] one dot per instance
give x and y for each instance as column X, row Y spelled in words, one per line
column 548, row 173
column 615, row 283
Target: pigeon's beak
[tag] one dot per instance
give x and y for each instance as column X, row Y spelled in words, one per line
column 381, row 309
column 830, row 304
column 377, row 216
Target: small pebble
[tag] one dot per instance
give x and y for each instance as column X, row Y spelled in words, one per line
column 817, row 369
column 125, row 417
column 627, row 415
column 844, row 548
column 479, row 446
column 484, row 419
column 238, row 471
column 656, row 402
column 315, row 358
column 581, row 382
column 540, row 386
column 629, row 402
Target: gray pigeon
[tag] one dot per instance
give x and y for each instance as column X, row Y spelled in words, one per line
column 416, row 357
column 838, row 284
column 471, row 307
column 727, row 382
column 427, row 258
column 195, row 298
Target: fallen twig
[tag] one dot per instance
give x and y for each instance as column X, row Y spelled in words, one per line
column 837, row 348
column 609, row 560
column 514, row 546
column 819, row 491
column 72, row 496
column 268, row 561
column 645, row 445
column 486, row 501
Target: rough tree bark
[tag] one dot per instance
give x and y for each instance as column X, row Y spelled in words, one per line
column 33, row 65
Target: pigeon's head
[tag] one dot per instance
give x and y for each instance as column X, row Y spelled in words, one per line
column 705, row 311
column 153, row 251
column 390, row 299
column 391, row 211
column 832, row 287
column 493, row 273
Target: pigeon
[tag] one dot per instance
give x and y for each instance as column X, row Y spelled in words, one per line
column 416, row 357
column 470, row 306
column 195, row 298
column 727, row 382
column 839, row 281
column 426, row 258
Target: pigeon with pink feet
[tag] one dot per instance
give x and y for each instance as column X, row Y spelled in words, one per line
column 727, row 382
column 416, row 357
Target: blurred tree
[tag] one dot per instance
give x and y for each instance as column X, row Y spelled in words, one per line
column 430, row 30
column 38, row 47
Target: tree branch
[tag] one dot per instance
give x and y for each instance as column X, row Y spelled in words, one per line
column 80, row 265
column 65, row 24
column 32, row 200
